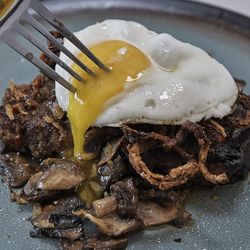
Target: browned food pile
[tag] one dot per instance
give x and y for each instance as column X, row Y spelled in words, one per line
column 140, row 167
column 36, row 157
column 138, row 176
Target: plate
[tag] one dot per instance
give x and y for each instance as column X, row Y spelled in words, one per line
column 222, row 215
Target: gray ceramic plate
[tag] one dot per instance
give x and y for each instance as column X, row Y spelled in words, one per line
column 221, row 223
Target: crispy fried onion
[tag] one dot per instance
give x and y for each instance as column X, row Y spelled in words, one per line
column 181, row 174
column 218, row 127
column 246, row 121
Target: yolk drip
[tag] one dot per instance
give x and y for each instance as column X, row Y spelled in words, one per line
column 127, row 64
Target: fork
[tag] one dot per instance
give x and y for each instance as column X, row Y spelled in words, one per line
column 16, row 15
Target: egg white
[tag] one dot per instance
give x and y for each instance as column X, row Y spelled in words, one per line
column 183, row 83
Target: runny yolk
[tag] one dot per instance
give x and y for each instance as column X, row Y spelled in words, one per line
column 127, row 64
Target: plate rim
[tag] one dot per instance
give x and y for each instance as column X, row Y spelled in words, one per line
column 202, row 11
column 214, row 13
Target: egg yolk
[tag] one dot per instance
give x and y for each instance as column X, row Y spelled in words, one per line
column 127, row 64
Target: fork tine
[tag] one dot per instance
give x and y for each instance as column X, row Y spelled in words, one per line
column 36, row 25
column 49, row 17
column 26, row 34
column 9, row 39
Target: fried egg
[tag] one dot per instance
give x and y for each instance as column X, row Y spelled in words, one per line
column 154, row 78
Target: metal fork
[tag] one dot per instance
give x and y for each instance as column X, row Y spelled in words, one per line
column 13, row 21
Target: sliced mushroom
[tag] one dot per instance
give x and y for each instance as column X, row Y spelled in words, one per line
column 57, row 219
column 176, row 197
column 61, row 174
column 127, row 197
column 111, row 172
column 105, row 206
column 15, row 169
column 112, row 225
column 30, row 188
column 31, row 193
column 62, row 207
column 69, row 233
column 95, row 244
column 153, row 214
column 62, row 214
column 183, row 219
